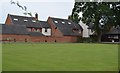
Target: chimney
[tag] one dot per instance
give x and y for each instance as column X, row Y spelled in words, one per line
column 36, row 16
column 69, row 17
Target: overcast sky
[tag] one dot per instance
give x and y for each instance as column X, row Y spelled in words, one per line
column 45, row 8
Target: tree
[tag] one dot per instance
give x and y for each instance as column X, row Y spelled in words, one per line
column 24, row 8
column 102, row 15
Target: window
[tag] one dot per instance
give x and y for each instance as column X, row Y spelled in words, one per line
column 45, row 30
column 25, row 20
column 116, row 37
column 75, row 30
column 110, row 37
column 69, row 22
column 32, row 29
column 38, row 30
column 35, row 30
column 33, row 21
column 63, row 22
column 15, row 19
column 56, row 21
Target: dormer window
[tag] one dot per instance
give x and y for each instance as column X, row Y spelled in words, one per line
column 34, row 21
column 25, row 20
column 69, row 22
column 56, row 21
column 75, row 30
column 63, row 22
column 15, row 19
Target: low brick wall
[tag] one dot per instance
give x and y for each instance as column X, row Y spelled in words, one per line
column 53, row 39
column 27, row 38
column 15, row 38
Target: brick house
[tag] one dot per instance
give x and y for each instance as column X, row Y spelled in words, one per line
column 30, row 29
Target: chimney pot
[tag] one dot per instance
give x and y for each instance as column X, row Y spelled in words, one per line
column 36, row 16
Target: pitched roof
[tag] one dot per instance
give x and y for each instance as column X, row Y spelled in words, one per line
column 114, row 31
column 28, row 21
column 13, row 29
column 33, row 25
column 1, row 28
column 69, row 32
column 44, row 24
column 67, row 26
column 21, row 20
column 17, row 29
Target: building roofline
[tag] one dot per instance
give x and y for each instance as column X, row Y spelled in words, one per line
column 20, row 16
column 60, row 18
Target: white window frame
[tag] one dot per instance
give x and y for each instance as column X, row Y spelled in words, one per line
column 15, row 19
column 56, row 21
column 69, row 23
column 116, row 37
column 63, row 22
column 25, row 20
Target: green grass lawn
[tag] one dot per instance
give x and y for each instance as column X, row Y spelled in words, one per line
column 0, row 58
column 60, row 57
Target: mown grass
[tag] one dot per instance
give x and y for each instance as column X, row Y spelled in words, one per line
column 60, row 57
column 0, row 57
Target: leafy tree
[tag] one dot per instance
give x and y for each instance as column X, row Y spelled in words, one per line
column 102, row 15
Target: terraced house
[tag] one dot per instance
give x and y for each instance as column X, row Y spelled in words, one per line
column 30, row 29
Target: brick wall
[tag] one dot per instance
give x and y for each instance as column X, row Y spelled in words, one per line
column 53, row 39
column 0, row 37
column 15, row 38
column 56, row 36
column 8, row 21
column 36, row 39
column 27, row 38
column 55, row 32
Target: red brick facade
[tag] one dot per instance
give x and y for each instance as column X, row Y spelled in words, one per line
column 8, row 21
column 55, row 31
column 26, row 38
column 15, row 38
column 56, row 35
